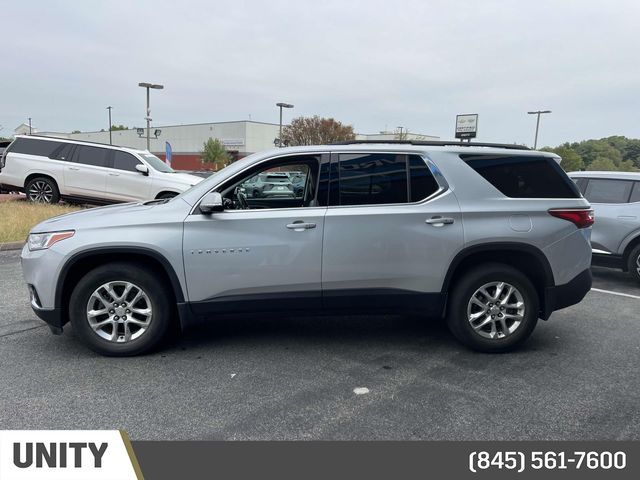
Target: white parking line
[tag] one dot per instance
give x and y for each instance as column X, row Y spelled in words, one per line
column 616, row 293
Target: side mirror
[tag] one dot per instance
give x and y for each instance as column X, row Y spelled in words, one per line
column 143, row 169
column 212, row 202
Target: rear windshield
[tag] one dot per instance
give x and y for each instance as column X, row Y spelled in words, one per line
column 278, row 178
column 520, row 176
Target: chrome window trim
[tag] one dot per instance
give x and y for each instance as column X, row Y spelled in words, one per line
column 196, row 205
column 435, row 171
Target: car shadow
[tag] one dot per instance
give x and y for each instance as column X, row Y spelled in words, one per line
column 318, row 328
column 389, row 331
column 615, row 280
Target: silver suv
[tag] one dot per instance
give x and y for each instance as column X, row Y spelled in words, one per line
column 615, row 196
column 489, row 237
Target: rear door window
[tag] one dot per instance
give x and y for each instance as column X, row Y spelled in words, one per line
column 523, row 176
column 600, row 190
column 372, row 179
column 63, row 152
column 92, row 156
column 422, row 181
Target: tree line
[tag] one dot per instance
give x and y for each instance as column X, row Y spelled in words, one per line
column 616, row 153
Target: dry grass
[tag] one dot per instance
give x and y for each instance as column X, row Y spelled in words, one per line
column 17, row 217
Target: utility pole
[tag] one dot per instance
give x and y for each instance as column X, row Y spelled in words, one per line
column 29, row 125
column 148, row 86
column 538, row 113
column 282, row 105
column 109, row 108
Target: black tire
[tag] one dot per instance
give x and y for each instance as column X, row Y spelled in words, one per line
column 42, row 190
column 633, row 263
column 468, row 284
column 156, row 292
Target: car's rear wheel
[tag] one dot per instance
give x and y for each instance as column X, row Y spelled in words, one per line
column 121, row 309
column 493, row 308
column 633, row 263
column 42, row 190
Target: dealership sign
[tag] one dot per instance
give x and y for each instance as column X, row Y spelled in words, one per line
column 466, row 125
column 232, row 142
column 67, row 455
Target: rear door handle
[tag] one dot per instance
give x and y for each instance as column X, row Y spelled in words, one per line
column 74, row 168
column 439, row 221
column 114, row 174
column 299, row 226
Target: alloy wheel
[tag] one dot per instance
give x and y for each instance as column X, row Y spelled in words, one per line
column 40, row 192
column 119, row 311
column 496, row 310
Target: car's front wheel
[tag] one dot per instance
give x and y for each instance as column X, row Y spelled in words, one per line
column 120, row 309
column 493, row 308
column 633, row 264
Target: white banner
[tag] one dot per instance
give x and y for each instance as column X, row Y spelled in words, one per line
column 67, row 455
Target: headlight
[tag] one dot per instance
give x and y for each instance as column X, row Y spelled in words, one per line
column 41, row 241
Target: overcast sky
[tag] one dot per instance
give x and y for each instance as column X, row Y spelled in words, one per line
column 373, row 64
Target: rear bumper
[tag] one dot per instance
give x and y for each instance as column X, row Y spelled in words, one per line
column 562, row 296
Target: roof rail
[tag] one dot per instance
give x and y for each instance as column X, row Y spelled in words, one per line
column 73, row 140
column 437, row 143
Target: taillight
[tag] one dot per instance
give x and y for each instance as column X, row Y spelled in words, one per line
column 581, row 218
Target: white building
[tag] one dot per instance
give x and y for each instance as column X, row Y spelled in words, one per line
column 241, row 138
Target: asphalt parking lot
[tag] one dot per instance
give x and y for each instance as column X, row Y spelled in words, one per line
column 294, row 378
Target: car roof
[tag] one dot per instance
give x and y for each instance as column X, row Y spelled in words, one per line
column 606, row 174
column 415, row 147
column 84, row 142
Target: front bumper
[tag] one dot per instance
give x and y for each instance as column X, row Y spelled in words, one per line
column 562, row 296
column 40, row 271
column 53, row 318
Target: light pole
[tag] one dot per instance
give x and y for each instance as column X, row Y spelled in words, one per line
column 148, row 117
column 538, row 113
column 282, row 105
column 109, row 108
column 29, row 125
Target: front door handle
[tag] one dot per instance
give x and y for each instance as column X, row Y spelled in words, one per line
column 74, row 168
column 299, row 226
column 114, row 174
column 439, row 221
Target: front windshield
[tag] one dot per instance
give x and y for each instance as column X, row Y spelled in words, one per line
column 157, row 164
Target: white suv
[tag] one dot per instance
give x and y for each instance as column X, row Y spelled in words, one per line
column 48, row 169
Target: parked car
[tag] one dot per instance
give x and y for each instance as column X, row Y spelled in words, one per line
column 298, row 180
column 49, row 169
column 491, row 238
column 269, row 184
column 3, row 146
column 615, row 197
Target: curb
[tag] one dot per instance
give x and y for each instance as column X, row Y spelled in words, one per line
column 11, row 246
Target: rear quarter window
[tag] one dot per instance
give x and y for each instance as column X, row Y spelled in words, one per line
column 600, row 190
column 523, row 176
column 34, row 146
